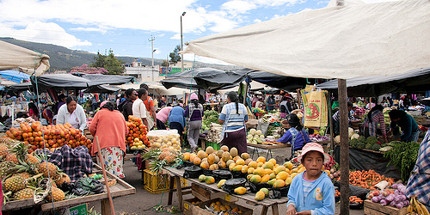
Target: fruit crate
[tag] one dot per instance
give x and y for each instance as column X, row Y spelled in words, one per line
column 215, row 146
column 189, row 204
column 158, row 183
column 199, row 209
column 371, row 208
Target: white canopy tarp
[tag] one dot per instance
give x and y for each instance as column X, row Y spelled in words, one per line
column 354, row 40
column 30, row 62
column 157, row 89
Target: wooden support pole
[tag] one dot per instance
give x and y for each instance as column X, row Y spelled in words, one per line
column 344, row 148
column 104, row 208
column 330, row 122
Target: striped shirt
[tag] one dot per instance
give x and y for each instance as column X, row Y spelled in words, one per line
column 307, row 186
column 234, row 121
column 377, row 117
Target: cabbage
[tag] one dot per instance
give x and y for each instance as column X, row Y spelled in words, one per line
column 337, row 139
column 249, row 136
column 258, row 132
column 355, row 136
column 350, row 132
column 252, row 131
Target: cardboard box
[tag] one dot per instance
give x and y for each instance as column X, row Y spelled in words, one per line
column 200, row 209
column 371, row 208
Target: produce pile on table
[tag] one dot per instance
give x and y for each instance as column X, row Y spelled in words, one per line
column 214, row 134
column 403, row 155
column 370, row 143
column 210, row 116
column 366, row 179
column 394, row 197
column 255, row 136
column 258, row 111
column 160, row 139
column 161, row 158
column 137, row 132
column 55, row 136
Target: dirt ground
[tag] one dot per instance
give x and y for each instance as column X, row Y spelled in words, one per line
column 143, row 202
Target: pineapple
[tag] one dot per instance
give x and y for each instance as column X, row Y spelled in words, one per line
column 15, row 183
column 56, row 194
column 31, row 159
column 26, row 193
column 64, row 178
column 3, row 150
column 5, row 168
column 12, row 157
column 53, row 170
column 25, row 175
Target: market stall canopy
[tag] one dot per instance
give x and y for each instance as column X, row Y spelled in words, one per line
column 60, row 81
column 355, row 40
column 104, row 88
column 15, row 76
column 416, row 81
column 31, row 62
column 212, row 79
column 22, row 86
column 183, row 79
column 98, row 79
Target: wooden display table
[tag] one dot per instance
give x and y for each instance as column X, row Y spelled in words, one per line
column 248, row 197
column 121, row 188
column 268, row 147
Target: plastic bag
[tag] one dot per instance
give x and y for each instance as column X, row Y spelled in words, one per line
column 86, row 185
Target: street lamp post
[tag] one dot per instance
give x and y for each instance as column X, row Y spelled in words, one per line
column 182, row 43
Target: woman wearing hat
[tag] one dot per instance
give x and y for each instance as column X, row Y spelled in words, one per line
column 194, row 114
column 312, row 192
column 296, row 134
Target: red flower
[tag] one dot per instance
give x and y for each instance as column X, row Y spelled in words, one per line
column 114, row 162
column 117, row 154
column 117, row 169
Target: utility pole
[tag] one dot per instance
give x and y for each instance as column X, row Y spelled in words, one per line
column 152, row 53
column 182, row 43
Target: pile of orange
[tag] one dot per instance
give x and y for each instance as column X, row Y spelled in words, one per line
column 136, row 129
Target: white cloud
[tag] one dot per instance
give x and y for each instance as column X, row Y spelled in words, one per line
column 176, row 37
column 43, row 33
column 90, row 29
column 257, row 20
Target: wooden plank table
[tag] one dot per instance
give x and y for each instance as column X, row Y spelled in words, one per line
column 268, row 147
column 248, row 197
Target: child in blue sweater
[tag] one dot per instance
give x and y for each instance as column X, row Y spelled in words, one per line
column 311, row 192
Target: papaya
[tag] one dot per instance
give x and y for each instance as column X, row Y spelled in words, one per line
column 210, row 180
column 192, row 156
column 265, row 191
column 253, row 164
column 279, row 183
column 260, row 164
column 224, row 148
column 211, row 159
column 255, row 179
column 245, row 169
column 259, row 171
column 226, row 156
column 289, row 165
column 219, row 153
column 268, row 171
column 271, row 182
column 240, row 161
column 265, row 178
column 245, row 156
column 237, row 168
column 260, row 195
column 209, row 150
column 217, row 159
column 248, row 161
column 197, row 161
column 268, row 165
column 213, row 167
column 273, row 161
column 282, row 176
column 233, row 152
column 204, row 165
column 240, row 190
column 261, row 159
column 231, row 166
column 236, row 158
column 288, row 181
column 202, row 178
column 220, row 183
column 249, row 176
column 272, row 175
column 279, row 169
column 186, row 156
column 250, row 170
column 201, row 154
column 221, row 164
column 229, row 162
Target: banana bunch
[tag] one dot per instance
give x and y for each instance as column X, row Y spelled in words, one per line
column 417, row 207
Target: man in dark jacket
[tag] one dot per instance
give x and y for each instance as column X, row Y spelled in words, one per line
column 126, row 107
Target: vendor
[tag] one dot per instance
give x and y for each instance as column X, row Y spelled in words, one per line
column 418, row 184
column 233, row 117
column 72, row 113
column 410, row 129
column 336, row 119
column 375, row 117
column 296, row 134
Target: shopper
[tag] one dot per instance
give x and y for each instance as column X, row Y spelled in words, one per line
column 375, row 117
column 111, row 129
column 72, row 113
column 139, row 109
column 194, row 115
column 162, row 117
column 177, row 119
column 33, row 111
column 410, row 129
column 233, row 117
column 285, row 107
column 126, row 106
column 150, row 106
column 312, row 192
column 296, row 134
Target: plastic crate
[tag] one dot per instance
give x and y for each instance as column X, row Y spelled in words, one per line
column 158, row 183
column 215, row 146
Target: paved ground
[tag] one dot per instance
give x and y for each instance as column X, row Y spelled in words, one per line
column 143, row 202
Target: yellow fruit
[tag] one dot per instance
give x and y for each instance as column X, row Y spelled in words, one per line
column 255, row 179
column 237, row 168
column 265, row 191
column 288, row 181
column 197, row 161
column 202, row 178
column 260, row 195
column 220, row 183
column 221, row 164
column 231, row 166
column 271, row 182
column 282, row 176
column 229, row 162
column 265, row 178
column 279, row 183
column 245, row 169
column 280, row 169
column 240, row 161
column 302, row 169
column 273, row 161
column 219, row 153
column 201, row 154
column 236, row 158
column 226, row 156
column 192, row 156
column 248, row 177
column 272, row 175
column 253, row 164
column 210, row 180
column 211, row 159
column 204, row 165
column 259, row 171
column 186, row 156
column 289, row 165
column 268, row 165
column 260, row 164
column 209, row 150
column 294, row 175
column 213, row 167
column 240, row 190
column 261, row 159
column 224, row 148
column 250, row 170
column 268, row 171
column 245, row 156
column 233, row 152
column 247, row 161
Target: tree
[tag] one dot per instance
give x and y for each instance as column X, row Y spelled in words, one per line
column 113, row 65
column 165, row 63
column 175, row 56
column 88, row 70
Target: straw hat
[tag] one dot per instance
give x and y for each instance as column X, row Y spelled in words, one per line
column 314, row 147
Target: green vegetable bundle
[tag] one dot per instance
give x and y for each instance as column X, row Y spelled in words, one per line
column 403, row 155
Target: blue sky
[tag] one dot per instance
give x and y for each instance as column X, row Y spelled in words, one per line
column 125, row 26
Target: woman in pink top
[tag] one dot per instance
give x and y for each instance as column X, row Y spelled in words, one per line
column 111, row 129
column 162, row 116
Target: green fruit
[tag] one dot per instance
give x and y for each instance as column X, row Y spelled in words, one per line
column 202, row 178
column 265, row 191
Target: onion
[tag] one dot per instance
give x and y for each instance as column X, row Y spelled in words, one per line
column 393, row 204
column 399, row 205
column 397, row 192
column 390, row 198
column 385, row 193
column 375, row 199
column 402, row 197
column 383, row 202
column 405, row 203
column 394, row 186
column 402, row 190
column 397, row 198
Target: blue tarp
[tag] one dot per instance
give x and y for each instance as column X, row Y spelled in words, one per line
column 14, row 76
